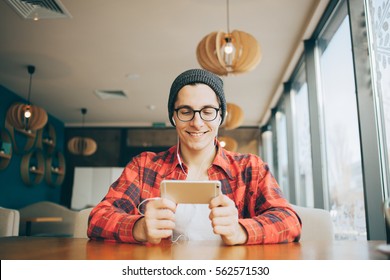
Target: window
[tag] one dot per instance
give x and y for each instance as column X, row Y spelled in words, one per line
column 282, row 153
column 303, row 139
column 267, row 149
column 379, row 36
column 342, row 142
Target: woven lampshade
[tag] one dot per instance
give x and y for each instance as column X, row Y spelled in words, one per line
column 211, row 56
column 83, row 146
column 80, row 145
column 234, row 116
column 27, row 116
column 228, row 143
column 16, row 117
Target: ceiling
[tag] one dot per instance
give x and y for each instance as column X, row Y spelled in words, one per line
column 139, row 47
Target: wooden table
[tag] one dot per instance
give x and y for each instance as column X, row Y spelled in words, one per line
column 45, row 248
column 31, row 220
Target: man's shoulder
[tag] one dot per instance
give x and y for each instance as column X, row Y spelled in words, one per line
column 150, row 156
column 242, row 157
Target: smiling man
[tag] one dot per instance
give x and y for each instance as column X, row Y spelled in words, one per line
column 250, row 210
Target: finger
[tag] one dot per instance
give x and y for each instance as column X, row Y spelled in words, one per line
column 154, row 222
column 166, row 204
column 160, row 204
column 224, row 211
column 164, row 214
column 216, row 201
column 158, row 229
column 220, row 200
column 164, row 224
column 224, row 230
column 222, row 221
column 154, row 240
column 157, row 235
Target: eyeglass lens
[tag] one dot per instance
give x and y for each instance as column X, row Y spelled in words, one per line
column 187, row 114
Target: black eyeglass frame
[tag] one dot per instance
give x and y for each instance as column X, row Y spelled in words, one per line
column 197, row 111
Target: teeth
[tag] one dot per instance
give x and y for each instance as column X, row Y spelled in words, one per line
column 196, row 133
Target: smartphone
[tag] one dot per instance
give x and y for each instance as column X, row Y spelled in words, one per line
column 190, row 192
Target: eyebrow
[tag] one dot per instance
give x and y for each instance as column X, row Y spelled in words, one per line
column 205, row 106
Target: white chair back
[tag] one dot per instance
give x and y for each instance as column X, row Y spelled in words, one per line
column 316, row 224
column 9, row 222
column 81, row 223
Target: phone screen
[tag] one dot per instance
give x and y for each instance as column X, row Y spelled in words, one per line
column 190, row 192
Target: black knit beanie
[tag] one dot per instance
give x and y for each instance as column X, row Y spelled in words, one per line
column 196, row 76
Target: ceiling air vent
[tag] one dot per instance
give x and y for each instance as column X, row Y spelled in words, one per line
column 39, row 9
column 111, row 94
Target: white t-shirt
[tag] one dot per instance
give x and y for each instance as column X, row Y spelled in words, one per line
column 193, row 223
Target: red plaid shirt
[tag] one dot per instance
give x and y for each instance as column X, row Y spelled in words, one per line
column 245, row 178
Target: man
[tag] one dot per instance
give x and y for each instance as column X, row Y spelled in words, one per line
column 251, row 208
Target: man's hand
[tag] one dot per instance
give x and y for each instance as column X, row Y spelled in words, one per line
column 157, row 223
column 224, row 220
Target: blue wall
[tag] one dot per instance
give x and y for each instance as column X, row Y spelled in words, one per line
column 14, row 193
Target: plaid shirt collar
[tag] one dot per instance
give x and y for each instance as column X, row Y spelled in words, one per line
column 221, row 160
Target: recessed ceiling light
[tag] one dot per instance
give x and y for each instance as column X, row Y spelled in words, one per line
column 111, row 94
column 132, row 77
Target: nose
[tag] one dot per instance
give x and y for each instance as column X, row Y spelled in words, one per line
column 197, row 120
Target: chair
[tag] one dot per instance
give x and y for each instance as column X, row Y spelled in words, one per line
column 316, row 224
column 81, row 223
column 47, row 209
column 9, row 222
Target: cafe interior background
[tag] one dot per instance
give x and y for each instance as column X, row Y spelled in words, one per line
column 308, row 90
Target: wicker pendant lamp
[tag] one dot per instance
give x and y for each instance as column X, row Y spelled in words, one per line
column 234, row 116
column 228, row 53
column 80, row 145
column 228, row 143
column 27, row 116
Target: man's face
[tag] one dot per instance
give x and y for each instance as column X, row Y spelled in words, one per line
column 197, row 134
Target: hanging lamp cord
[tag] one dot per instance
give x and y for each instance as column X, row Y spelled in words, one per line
column 31, row 70
column 29, row 90
column 83, row 112
column 227, row 16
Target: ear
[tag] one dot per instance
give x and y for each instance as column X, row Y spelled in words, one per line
column 220, row 116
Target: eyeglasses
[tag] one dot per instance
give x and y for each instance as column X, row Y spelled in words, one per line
column 186, row 114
